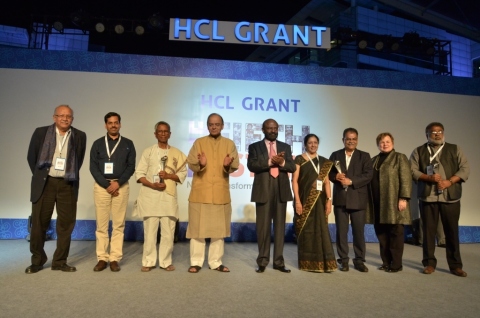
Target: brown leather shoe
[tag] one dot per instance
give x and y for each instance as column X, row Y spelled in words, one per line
column 101, row 265
column 458, row 272
column 114, row 267
column 428, row 270
column 147, row 268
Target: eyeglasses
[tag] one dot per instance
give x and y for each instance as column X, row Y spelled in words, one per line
column 64, row 116
column 214, row 124
column 434, row 133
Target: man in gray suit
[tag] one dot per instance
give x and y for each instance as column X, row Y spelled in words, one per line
column 271, row 161
column 350, row 196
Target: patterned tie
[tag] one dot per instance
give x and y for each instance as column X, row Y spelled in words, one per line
column 273, row 170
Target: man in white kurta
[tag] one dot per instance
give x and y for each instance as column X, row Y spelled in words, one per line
column 160, row 168
column 212, row 158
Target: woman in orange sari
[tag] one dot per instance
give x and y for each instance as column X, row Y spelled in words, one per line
column 312, row 205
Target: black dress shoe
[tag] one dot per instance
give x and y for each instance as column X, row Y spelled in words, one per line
column 64, row 268
column 442, row 245
column 283, row 269
column 360, row 267
column 344, row 267
column 32, row 269
column 395, row 270
column 383, row 268
column 260, row 269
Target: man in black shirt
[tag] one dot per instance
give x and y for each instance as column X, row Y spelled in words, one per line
column 112, row 163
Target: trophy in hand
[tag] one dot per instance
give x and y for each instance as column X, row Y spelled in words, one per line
column 436, row 170
column 163, row 161
column 339, row 169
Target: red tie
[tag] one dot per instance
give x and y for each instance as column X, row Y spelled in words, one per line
column 273, row 170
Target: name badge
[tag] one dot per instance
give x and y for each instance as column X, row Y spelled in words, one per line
column 108, row 168
column 430, row 170
column 319, row 185
column 156, row 178
column 60, row 164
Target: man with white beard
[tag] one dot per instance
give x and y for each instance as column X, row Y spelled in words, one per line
column 440, row 168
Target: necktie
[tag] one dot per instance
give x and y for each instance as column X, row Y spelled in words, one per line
column 273, row 170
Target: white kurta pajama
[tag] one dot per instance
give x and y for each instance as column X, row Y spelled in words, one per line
column 159, row 207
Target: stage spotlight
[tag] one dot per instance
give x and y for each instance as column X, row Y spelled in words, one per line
column 119, row 29
column 394, row 46
column 139, row 30
column 156, row 21
column 362, row 44
column 58, row 26
column 100, row 27
column 81, row 19
column 379, row 45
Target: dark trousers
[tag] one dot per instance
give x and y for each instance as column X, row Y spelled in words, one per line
column 450, row 214
column 59, row 193
column 390, row 237
column 274, row 210
column 357, row 219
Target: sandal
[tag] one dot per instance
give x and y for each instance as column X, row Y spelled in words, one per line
column 222, row 269
column 147, row 268
column 169, row 268
column 194, row 269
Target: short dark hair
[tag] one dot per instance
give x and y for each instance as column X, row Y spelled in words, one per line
column 162, row 123
column 214, row 114
column 112, row 114
column 350, row 129
column 267, row 120
column 429, row 126
column 305, row 140
column 383, row 135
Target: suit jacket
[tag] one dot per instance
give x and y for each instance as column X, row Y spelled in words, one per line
column 360, row 171
column 39, row 176
column 258, row 163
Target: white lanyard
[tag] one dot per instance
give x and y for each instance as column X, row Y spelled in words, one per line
column 114, row 148
column 435, row 154
column 317, row 168
column 61, row 144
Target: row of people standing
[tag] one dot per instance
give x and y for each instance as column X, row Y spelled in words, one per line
column 377, row 190
column 56, row 154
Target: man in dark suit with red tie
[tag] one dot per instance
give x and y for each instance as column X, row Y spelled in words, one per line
column 271, row 161
column 350, row 179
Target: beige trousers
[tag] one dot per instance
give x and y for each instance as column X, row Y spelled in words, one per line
column 215, row 252
column 106, row 205
column 165, row 248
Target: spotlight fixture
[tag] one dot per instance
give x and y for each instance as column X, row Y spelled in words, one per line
column 80, row 19
column 119, row 29
column 100, row 27
column 395, row 46
column 362, row 44
column 58, row 26
column 139, row 30
column 156, row 21
column 379, row 45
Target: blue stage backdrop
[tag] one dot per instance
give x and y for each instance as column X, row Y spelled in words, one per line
column 182, row 91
